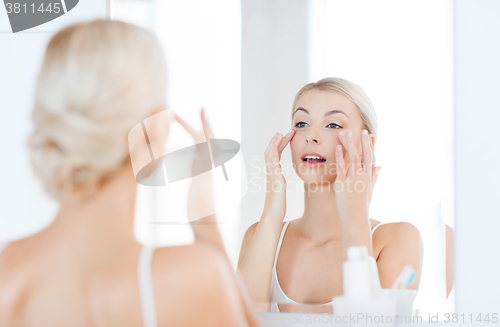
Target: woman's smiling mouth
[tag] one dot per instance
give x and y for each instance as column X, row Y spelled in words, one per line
column 312, row 159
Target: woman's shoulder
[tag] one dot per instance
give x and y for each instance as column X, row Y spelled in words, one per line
column 19, row 253
column 405, row 231
column 395, row 228
column 395, row 233
column 247, row 240
column 251, row 230
column 193, row 278
column 186, row 258
column 396, row 237
column 194, row 269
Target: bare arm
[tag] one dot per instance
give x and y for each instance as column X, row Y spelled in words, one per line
column 405, row 247
column 354, row 185
column 200, row 197
column 261, row 239
column 257, row 257
column 353, row 189
column 356, row 232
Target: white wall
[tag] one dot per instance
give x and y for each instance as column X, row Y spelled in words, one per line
column 25, row 207
column 273, row 68
column 477, row 174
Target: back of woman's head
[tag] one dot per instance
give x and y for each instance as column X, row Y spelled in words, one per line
column 98, row 79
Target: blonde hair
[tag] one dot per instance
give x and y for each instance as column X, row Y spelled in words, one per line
column 353, row 92
column 98, row 79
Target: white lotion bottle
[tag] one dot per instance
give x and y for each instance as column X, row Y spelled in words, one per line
column 362, row 292
column 374, row 277
column 356, row 274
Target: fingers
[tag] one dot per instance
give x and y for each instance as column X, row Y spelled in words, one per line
column 286, row 139
column 275, row 141
column 198, row 137
column 189, row 129
column 279, row 142
column 206, row 126
column 367, row 151
column 348, row 143
column 339, row 160
column 207, row 130
column 272, row 149
column 343, row 140
column 351, row 149
column 272, row 155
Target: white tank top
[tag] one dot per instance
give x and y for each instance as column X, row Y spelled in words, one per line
column 146, row 291
column 277, row 295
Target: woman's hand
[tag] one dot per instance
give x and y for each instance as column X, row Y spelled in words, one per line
column 275, row 204
column 201, row 210
column 261, row 240
column 356, row 180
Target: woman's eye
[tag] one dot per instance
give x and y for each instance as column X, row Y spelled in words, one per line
column 300, row 124
column 332, row 124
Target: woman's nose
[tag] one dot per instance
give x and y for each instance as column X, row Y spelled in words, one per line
column 313, row 138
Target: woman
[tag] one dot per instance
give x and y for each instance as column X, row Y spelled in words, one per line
column 301, row 261
column 98, row 80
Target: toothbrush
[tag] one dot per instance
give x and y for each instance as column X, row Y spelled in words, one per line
column 405, row 278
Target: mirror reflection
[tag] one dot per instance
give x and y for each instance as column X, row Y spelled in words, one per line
column 332, row 139
column 404, row 69
column 338, row 187
column 374, row 67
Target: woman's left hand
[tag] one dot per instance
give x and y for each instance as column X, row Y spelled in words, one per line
column 201, row 209
column 356, row 180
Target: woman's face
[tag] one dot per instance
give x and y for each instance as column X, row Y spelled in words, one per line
column 318, row 118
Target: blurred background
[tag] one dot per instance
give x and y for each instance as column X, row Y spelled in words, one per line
column 244, row 61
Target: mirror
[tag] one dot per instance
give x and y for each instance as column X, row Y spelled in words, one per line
column 245, row 62
column 405, row 68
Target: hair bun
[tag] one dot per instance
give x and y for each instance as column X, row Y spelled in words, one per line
column 82, row 112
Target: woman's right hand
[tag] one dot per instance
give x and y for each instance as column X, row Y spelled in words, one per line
column 261, row 239
column 275, row 204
